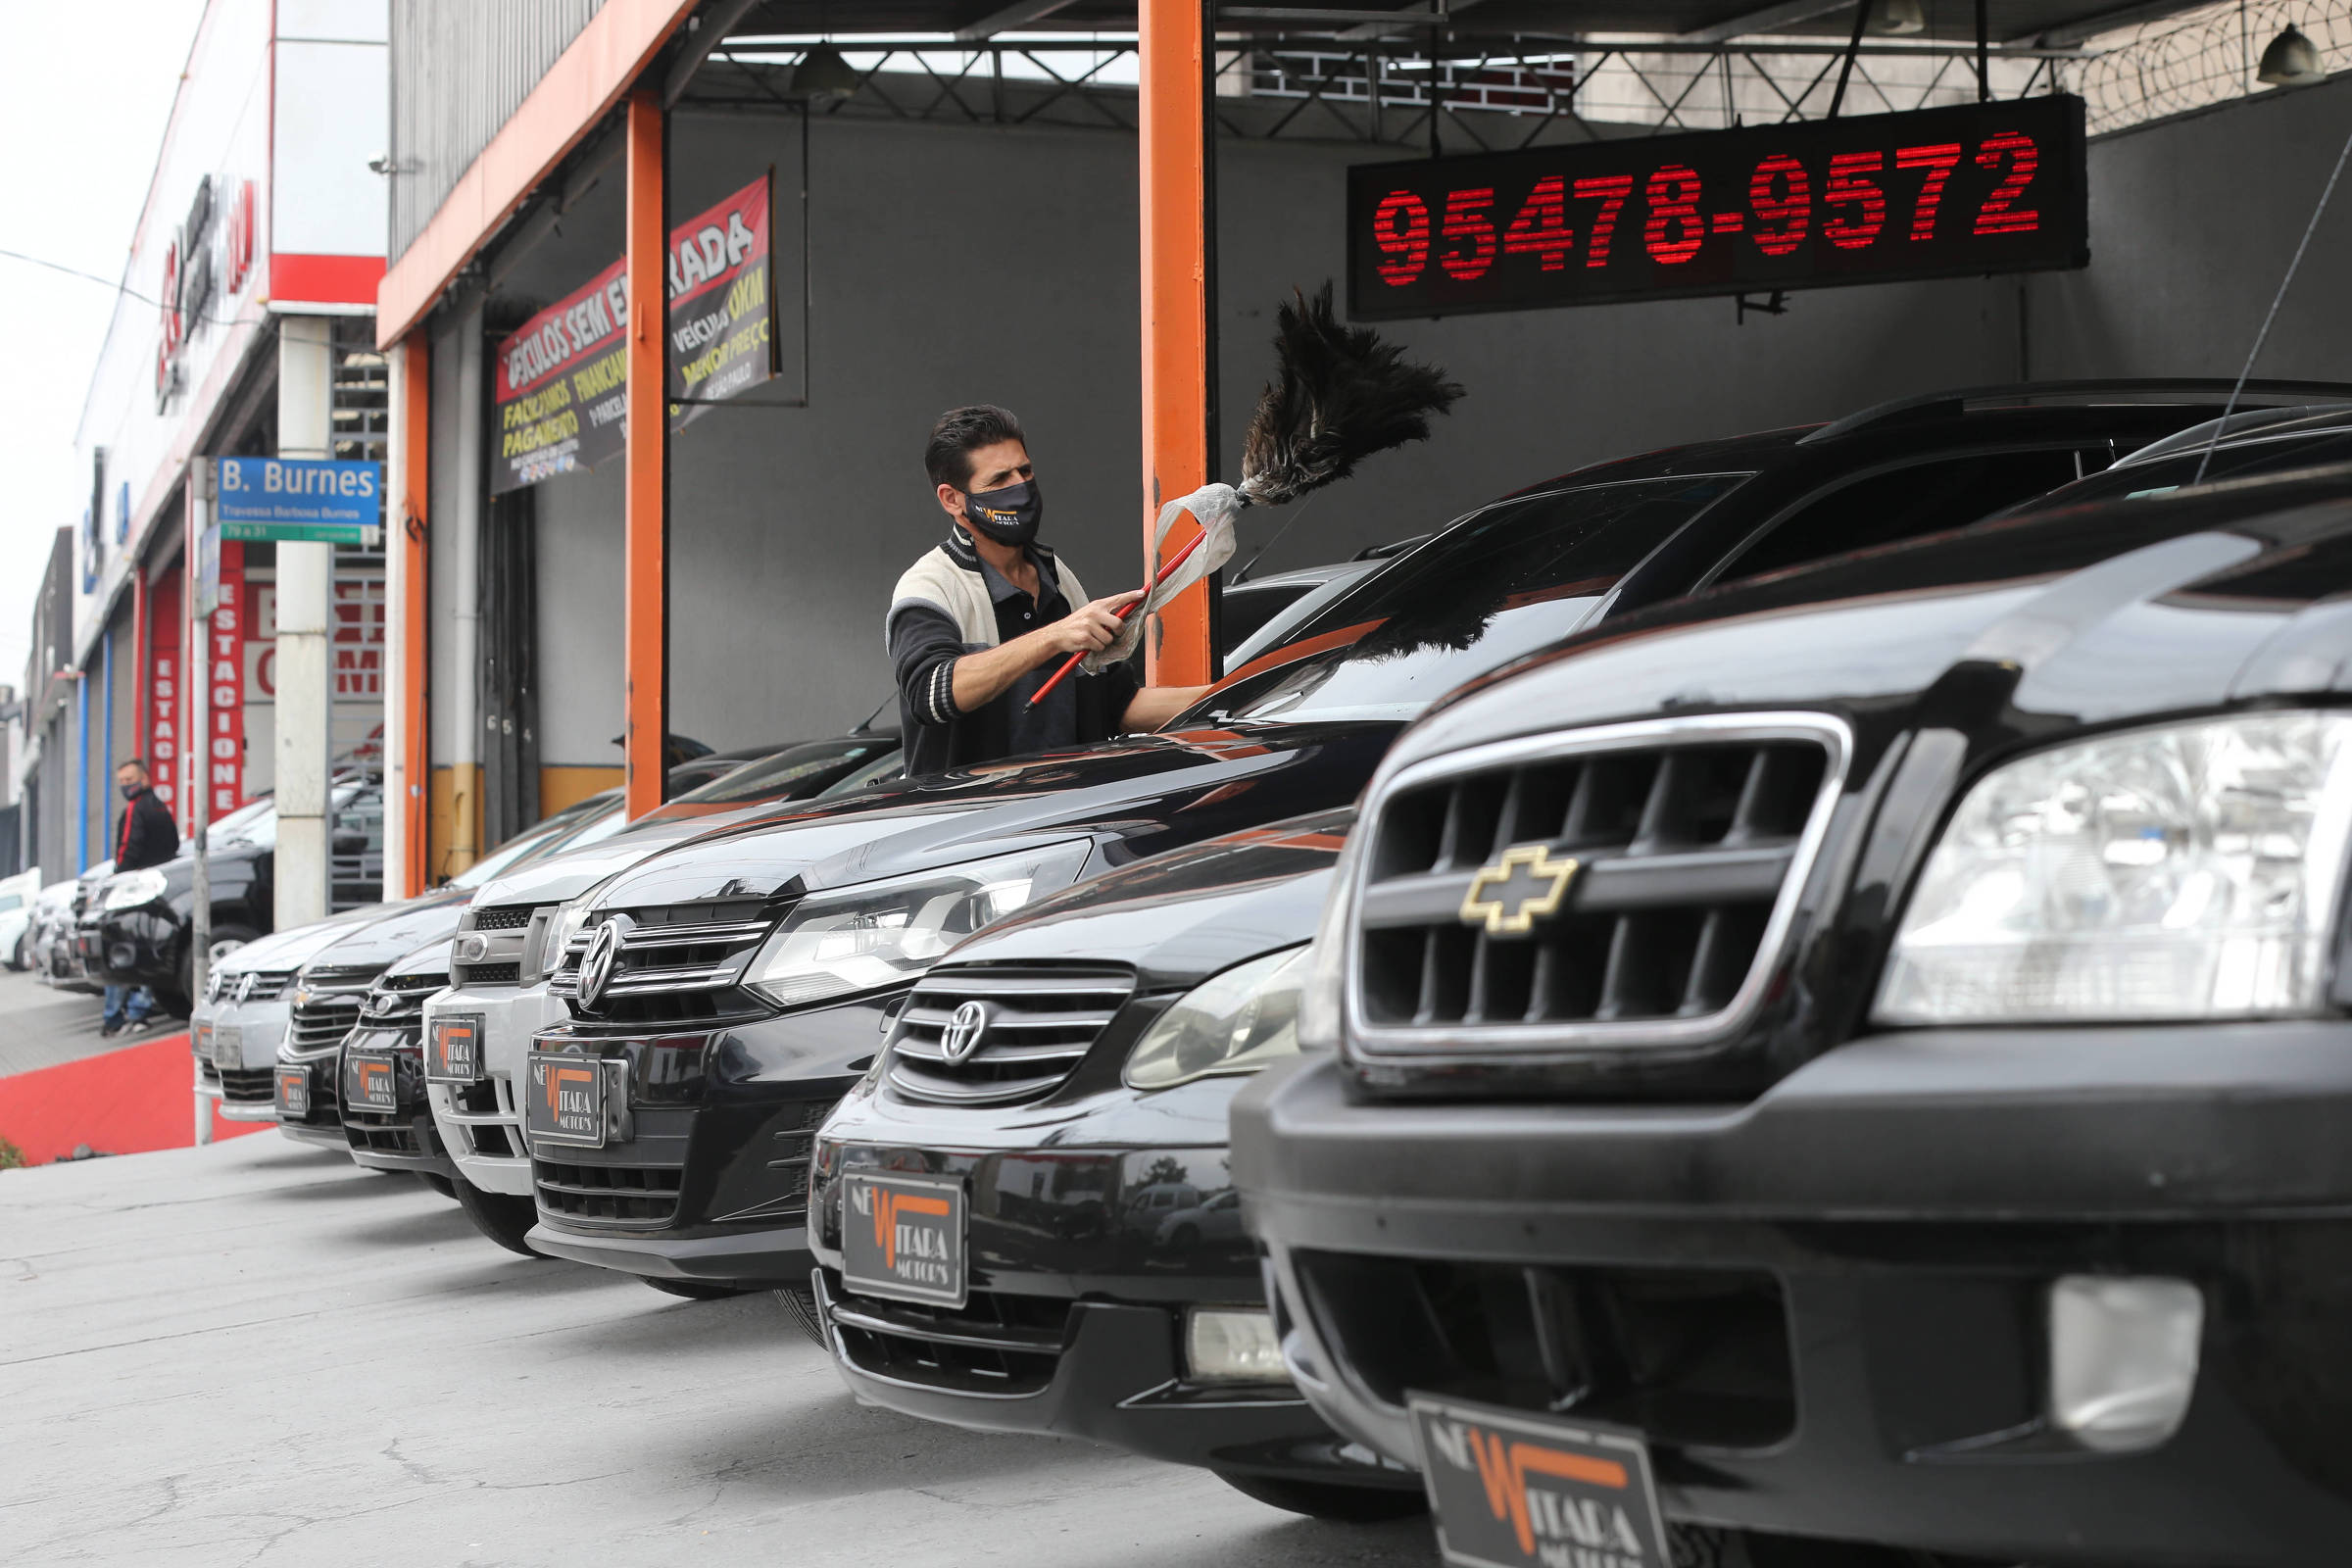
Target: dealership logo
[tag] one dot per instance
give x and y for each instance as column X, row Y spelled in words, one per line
column 1581, row 1523
column 599, row 960
column 962, row 1037
column 885, row 1207
column 369, row 1074
column 563, row 1102
column 1510, row 894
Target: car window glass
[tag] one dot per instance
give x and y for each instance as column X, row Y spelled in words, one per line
column 878, row 771
column 791, row 774
column 2163, row 475
column 10, row 901
column 1243, row 609
column 360, row 826
column 1505, row 582
column 1905, row 503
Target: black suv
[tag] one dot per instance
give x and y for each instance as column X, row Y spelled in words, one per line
column 728, row 991
column 138, row 931
column 1863, row 1052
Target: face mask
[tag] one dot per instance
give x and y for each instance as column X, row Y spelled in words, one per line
column 131, row 792
column 1009, row 516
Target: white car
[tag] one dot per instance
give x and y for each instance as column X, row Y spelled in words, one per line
column 17, row 895
column 478, row 1032
column 236, row 1027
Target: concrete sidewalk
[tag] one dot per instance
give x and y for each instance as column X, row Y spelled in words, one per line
column 40, row 1026
column 256, row 1354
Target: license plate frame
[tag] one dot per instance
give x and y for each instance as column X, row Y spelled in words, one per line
column 882, row 1210
column 370, row 1083
column 291, row 1090
column 449, row 1030
column 226, row 1044
column 544, row 1118
column 1583, row 1488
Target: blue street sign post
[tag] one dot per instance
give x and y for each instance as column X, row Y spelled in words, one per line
column 300, row 499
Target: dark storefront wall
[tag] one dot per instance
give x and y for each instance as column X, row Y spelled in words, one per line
column 965, row 263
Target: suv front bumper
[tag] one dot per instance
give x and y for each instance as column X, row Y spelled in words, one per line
column 1079, row 1285
column 710, row 1182
column 479, row 1122
column 1831, row 1301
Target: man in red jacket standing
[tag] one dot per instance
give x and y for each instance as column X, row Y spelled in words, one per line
column 145, row 835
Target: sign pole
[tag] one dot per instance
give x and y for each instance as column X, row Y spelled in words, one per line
column 200, row 778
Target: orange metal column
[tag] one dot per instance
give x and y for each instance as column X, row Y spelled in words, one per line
column 1175, row 312
column 644, row 527
column 415, row 734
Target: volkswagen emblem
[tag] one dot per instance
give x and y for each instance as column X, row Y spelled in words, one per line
column 598, row 963
column 962, row 1037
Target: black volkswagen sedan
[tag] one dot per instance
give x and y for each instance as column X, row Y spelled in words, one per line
column 1862, row 1054
column 1022, row 1215
column 728, row 991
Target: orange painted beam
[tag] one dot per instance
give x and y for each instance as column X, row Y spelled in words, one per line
column 415, row 735
column 1175, row 314
column 579, row 89
column 645, row 515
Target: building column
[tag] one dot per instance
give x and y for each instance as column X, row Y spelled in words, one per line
column 462, row 557
column 304, row 607
column 645, row 562
column 408, row 754
column 1171, row 52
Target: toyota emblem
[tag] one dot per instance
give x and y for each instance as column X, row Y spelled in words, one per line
column 597, row 964
column 245, row 983
column 381, row 1003
column 962, row 1037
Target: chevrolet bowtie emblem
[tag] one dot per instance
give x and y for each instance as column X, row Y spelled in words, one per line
column 1510, row 894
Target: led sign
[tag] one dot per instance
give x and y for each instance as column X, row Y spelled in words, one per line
column 1991, row 187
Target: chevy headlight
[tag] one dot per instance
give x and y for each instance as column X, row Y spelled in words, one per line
column 1234, row 1022
column 880, row 933
column 2189, row 871
column 132, row 889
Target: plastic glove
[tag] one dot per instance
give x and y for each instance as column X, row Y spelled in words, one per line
column 1213, row 507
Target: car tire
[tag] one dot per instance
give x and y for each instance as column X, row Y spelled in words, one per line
column 800, row 1311
column 438, row 1182
column 501, row 1217
column 695, row 1289
column 1329, row 1499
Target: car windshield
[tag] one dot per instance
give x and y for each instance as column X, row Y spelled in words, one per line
column 259, row 830
column 2162, row 475
column 1503, row 582
column 512, row 852
column 791, row 774
column 236, row 822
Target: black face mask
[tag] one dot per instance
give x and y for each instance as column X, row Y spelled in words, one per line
column 131, row 792
column 1009, row 516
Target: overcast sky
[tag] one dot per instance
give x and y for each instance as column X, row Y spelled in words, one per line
column 79, row 127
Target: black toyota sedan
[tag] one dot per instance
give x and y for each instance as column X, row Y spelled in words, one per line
column 1861, row 1053
column 728, row 991
column 1047, row 1128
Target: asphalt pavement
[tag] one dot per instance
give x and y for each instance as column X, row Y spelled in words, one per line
column 258, row 1353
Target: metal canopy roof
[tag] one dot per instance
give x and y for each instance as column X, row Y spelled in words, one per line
column 2052, row 23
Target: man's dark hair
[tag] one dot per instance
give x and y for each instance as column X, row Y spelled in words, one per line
column 139, row 763
column 960, row 433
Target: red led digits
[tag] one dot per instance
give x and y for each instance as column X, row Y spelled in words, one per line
column 1673, row 196
column 1400, row 228
column 1466, row 219
column 1866, row 203
column 1998, row 216
column 1542, row 226
column 1611, row 191
column 1782, row 194
column 1939, row 160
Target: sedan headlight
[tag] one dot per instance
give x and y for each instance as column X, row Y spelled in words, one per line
column 2189, row 871
column 1235, row 1023
column 134, row 888
column 1320, row 1009
column 881, row 933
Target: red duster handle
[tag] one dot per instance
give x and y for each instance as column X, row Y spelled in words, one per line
column 1126, row 610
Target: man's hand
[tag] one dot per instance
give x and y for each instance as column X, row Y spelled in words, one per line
column 982, row 677
column 1089, row 627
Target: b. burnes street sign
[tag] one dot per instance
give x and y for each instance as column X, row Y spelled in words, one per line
column 300, row 499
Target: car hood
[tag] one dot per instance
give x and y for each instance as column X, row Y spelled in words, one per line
column 291, row 950
column 432, row 959
column 2010, row 632
column 1183, row 917
column 566, row 875
column 1136, row 796
column 410, row 926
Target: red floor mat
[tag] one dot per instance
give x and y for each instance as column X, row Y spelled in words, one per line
column 120, row 1103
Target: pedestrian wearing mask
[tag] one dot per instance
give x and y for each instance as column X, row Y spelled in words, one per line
column 144, row 835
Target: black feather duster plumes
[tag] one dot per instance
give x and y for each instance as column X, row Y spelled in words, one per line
column 1339, row 395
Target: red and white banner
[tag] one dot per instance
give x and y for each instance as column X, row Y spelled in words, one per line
column 722, row 294
column 224, row 686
